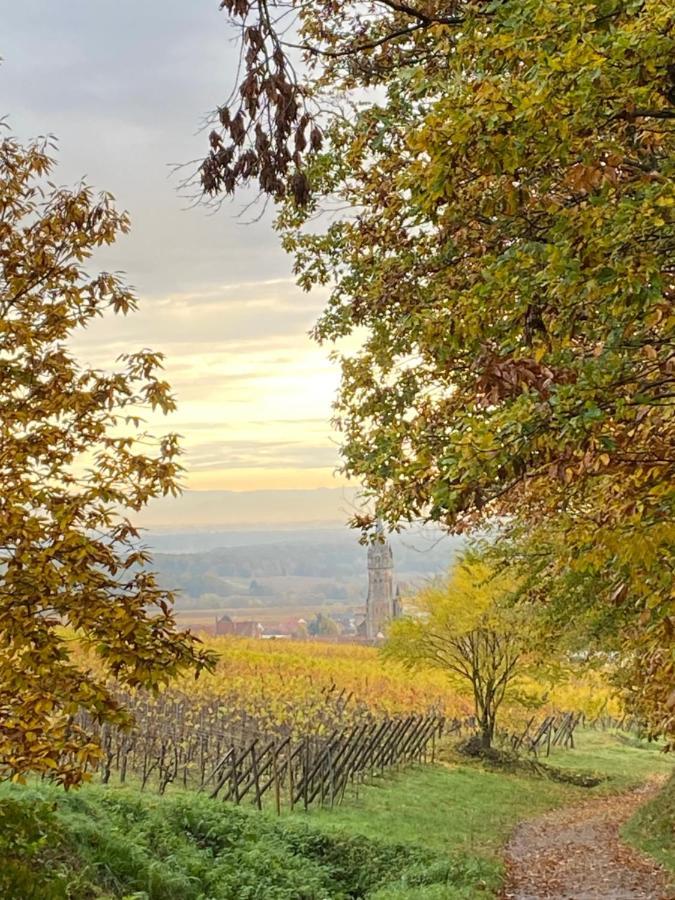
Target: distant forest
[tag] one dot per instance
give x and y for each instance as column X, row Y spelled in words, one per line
column 265, row 572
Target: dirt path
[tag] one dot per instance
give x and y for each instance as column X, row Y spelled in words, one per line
column 576, row 854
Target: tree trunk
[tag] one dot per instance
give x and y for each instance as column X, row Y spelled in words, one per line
column 486, row 730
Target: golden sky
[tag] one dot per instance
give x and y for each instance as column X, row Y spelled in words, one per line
column 125, row 88
column 254, row 392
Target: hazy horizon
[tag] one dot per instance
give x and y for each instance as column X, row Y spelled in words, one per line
column 246, row 509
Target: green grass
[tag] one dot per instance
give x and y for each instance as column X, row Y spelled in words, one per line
column 462, row 807
column 430, row 833
column 448, row 808
column 626, row 759
column 107, row 842
column 652, row 828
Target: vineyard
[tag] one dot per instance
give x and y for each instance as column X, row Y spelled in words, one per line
column 206, row 747
column 298, row 682
column 290, row 724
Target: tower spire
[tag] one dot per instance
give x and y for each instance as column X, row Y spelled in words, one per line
column 381, row 607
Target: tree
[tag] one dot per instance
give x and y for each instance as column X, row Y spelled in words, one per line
column 73, row 460
column 464, row 627
column 323, row 625
column 503, row 252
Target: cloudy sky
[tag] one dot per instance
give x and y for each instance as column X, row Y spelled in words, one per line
column 125, row 87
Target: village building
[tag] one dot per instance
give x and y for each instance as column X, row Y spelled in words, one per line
column 248, row 628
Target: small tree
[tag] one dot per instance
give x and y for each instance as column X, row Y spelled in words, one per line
column 463, row 627
column 322, row 625
column 73, row 458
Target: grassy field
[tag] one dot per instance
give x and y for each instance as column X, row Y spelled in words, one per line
column 623, row 757
column 449, row 808
column 430, row 833
column 462, row 808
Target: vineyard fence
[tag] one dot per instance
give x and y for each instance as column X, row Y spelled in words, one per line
column 245, row 765
column 238, row 758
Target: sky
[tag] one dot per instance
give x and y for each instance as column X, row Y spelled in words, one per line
column 125, row 88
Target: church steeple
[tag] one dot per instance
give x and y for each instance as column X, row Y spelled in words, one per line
column 380, row 605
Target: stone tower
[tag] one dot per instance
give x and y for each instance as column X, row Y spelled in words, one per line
column 382, row 604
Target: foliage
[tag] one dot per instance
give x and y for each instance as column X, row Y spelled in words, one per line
column 120, row 843
column 309, row 686
column 323, row 625
column 465, row 628
column 32, row 850
column 299, row 683
column 502, row 251
column 72, row 456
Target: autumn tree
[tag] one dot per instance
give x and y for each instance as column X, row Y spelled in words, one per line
column 500, row 244
column 322, row 625
column 465, row 627
column 74, row 460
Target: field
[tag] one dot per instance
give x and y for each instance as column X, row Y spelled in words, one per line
column 297, row 723
column 301, row 672
column 162, row 825
column 461, row 807
column 204, row 619
column 267, row 729
column 286, row 714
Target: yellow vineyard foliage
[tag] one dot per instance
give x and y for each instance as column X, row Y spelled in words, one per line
column 297, row 674
column 291, row 681
column 314, row 687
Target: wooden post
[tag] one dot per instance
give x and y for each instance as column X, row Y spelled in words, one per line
column 277, row 786
column 235, row 777
column 291, row 786
column 256, row 780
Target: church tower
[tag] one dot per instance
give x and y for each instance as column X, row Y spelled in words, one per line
column 382, row 604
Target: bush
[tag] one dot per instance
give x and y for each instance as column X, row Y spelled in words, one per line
column 30, row 849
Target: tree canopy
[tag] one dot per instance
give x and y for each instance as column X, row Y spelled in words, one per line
column 74, row 459
column 500, row 240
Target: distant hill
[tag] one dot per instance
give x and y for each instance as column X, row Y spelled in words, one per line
column 274, row 568
column 207, row 539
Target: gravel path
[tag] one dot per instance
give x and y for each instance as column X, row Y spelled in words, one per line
column 576, row 854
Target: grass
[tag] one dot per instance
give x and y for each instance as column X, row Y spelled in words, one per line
column 462, row 807
column 626, row 759
column 430, row 833
column 102, row 842
column 450, row 809
column 652, row 828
